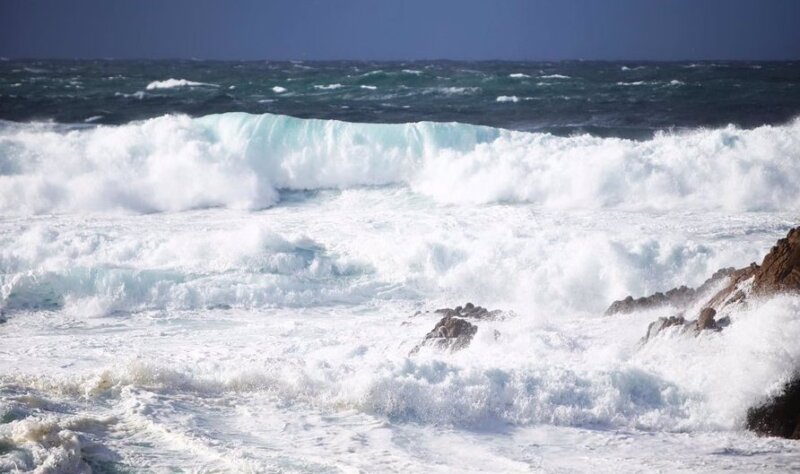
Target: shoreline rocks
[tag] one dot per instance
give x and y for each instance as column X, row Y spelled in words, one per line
column 778, row 273
column 680, row 297
column 780, row 416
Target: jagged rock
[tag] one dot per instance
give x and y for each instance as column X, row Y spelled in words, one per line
column 780, row 416
column 662, row 323
column 780, row 270
column 449, row 333
column 469, row 310
column 733, row 292
column 706, row 319
column 453, row 331
column 679, row 297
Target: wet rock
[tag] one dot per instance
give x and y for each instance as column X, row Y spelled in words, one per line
column 662, row 323
column 780, row 416
column 469, row 310
column 451, row 333
column 454, row 331
column 780, row 270
column 706, row 320
column 679, row 297
column 734, row 291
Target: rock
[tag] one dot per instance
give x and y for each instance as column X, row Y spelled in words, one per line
column 450, row 333
column 733, row 293
column 469, row 310
column 662, row 323
column 780, row 270
column 706, row 319
column 679, row 297
column 780, row 416
column 454, row 331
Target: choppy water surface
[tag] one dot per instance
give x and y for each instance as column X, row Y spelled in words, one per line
column 217, row 267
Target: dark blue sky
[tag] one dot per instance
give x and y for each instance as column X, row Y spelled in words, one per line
column 401, row 29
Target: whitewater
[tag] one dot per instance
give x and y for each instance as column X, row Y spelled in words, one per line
column 241, row 292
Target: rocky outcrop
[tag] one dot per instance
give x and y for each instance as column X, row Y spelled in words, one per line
column 663, row 323
column 679, row 297
column 451, row 333
column 469, row 310
column 780, row 416
column 454, row 331
column 780, row 270
column 778, row 273
column 705, row 322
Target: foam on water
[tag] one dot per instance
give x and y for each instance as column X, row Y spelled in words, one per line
column 241, row 161
column 266, row 313
column 173, row 83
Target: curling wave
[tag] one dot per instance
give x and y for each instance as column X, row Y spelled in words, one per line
column 238, row 160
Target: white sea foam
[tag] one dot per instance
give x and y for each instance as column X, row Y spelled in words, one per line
column 211, row 339
column 279, row 89
column 555, row 76
column 174, row 83
column 518, row 75
column 328, row 87
column 372, row 88
column 241, row 161
column 507, row 98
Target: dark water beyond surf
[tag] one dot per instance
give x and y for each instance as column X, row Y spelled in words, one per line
column 622, row 99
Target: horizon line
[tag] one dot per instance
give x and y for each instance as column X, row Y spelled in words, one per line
column 531, row 60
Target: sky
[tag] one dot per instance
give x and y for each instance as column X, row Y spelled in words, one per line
column 401, row 29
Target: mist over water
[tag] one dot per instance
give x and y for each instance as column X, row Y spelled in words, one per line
column 225, row 266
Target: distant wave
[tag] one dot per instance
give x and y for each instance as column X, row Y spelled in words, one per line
column 555, row 76
column 241, row 161
column 328, row 87
column 518, row 75
column 173, row 83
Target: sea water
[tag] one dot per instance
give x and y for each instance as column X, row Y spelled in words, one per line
column 224, row 267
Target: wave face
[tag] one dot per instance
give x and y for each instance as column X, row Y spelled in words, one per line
column 242, row 161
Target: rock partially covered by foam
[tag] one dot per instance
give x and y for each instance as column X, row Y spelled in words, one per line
column 780, row 416
column 679, row 297
column 469, row 310
column 705, row 322
column 778, row 273
column 453, row 331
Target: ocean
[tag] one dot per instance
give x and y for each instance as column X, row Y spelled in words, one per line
column 226, row 266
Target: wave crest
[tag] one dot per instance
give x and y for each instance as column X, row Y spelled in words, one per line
column 239, row 160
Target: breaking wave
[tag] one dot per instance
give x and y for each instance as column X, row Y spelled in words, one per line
column 238, row 160
column 173, row 83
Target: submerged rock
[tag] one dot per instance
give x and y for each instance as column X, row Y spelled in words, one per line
column 780, row 416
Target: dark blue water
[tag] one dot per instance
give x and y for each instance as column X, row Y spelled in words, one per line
column 602, row 98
